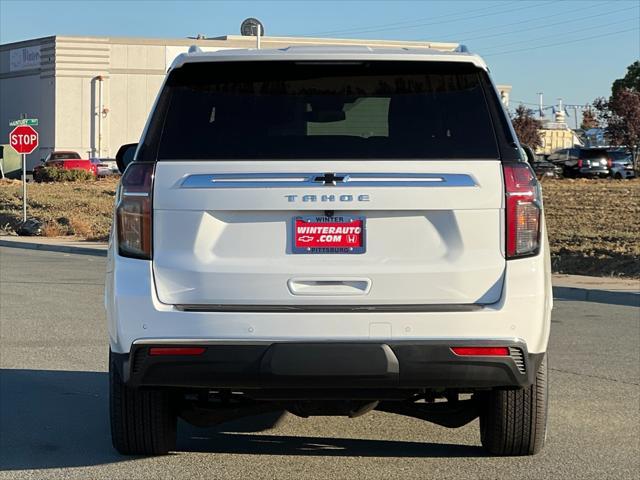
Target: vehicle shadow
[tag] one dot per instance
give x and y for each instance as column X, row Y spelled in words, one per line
column 58, row 419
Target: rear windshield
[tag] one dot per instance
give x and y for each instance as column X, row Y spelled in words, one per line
column 303, row 110
column 65, row 156
column 593, row 153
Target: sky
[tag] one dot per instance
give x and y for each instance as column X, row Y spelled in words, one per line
column 569, row 49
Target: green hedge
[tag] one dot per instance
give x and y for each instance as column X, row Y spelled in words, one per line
column 52, row 174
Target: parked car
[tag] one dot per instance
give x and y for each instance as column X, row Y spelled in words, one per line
column 622, row 165
column 541, row 167
column 66, row 160
column 295, row 233
column 105, row 166
column 582, row 162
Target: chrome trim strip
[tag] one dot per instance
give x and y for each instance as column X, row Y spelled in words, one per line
column 460, row 341
column 381, row 308
column 276, row 180
column 135, row 194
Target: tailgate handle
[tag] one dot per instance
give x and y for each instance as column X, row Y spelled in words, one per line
column 329, row 286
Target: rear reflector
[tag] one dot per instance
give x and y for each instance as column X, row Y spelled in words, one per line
column 157, row 351
column 481, row 351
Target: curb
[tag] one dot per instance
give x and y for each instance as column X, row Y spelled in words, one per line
column 629, row 299
column 98, row 252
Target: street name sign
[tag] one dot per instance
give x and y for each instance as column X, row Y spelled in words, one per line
column 24, row 121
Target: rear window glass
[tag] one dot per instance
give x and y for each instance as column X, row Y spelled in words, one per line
column 65, row 156
column 284, row 110
column 593, row 153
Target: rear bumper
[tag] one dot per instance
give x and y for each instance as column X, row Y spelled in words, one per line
column 594, row 171
column 313, row 365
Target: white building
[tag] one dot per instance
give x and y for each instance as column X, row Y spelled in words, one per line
column 93, row 94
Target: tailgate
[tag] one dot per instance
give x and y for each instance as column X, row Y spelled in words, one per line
column 225, row 232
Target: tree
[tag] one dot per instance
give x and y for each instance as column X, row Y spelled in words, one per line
column 527, row 127
column 621, row 112
column 589, row 119
column 631, row 80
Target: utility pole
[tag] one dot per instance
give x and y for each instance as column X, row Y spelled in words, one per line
column 540, row 105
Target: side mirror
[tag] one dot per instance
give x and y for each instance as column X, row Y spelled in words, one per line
column 125, row 156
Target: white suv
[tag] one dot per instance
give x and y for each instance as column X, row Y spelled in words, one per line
column 328, row 231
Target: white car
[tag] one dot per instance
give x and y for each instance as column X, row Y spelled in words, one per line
column 105, row 166
column 328, row 231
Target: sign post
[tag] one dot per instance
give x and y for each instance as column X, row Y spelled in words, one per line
column 24, row 140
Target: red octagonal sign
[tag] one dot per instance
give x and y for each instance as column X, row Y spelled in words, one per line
column 23, row 139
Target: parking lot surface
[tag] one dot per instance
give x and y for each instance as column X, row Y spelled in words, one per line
column 54, row 402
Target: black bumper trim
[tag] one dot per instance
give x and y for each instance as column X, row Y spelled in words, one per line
column 409, row 308
column 313, row 365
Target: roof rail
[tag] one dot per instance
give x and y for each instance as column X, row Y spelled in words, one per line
column 462, row 48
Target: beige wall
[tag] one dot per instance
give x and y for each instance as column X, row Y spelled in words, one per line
column 555, row 139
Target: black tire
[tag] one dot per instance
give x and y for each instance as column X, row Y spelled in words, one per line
column 143, row 421
column 514, row 422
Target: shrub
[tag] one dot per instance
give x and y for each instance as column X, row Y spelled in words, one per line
column 52, row 174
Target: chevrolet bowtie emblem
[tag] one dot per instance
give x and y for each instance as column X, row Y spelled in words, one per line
column 329, row 178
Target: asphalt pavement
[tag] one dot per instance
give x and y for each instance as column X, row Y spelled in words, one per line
column 54, row 401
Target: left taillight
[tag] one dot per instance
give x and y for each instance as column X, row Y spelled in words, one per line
column 134, row 211
column 523, row 210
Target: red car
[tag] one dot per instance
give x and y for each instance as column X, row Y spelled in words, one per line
column 67, row 161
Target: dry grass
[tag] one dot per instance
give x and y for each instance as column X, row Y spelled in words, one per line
column 594, row 225
column 81, row 209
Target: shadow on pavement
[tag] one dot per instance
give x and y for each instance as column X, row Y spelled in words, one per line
column 57, row 419
column 625, row 299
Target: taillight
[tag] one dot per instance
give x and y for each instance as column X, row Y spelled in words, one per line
column 133, row 212
column 580, row 163
column 609, row 162
column 523, row 210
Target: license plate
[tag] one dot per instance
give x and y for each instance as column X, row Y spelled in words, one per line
column 322, row 234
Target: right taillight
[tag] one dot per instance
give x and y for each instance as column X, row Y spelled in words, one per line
column 580, row 163
column 523, row 210
column 134, row 211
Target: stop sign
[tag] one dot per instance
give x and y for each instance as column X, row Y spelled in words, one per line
column 23, row 139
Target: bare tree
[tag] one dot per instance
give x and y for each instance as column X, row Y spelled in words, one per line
column 527, row 127
column 589, row 119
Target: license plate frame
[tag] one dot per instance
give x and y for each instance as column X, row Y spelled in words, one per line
column 299, row 247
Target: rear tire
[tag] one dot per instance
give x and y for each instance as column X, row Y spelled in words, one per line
column 514, row 422
column 143, row 421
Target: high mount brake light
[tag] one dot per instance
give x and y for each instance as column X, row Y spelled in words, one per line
column 523, row 210
column 134, row 211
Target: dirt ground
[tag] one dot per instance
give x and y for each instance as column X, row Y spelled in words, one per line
column 80, row 209
column 594, row 225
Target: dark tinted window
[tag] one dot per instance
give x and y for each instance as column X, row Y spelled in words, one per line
column 618, row 155
column 270, row 110
column 593, row 153
column 65, row 156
